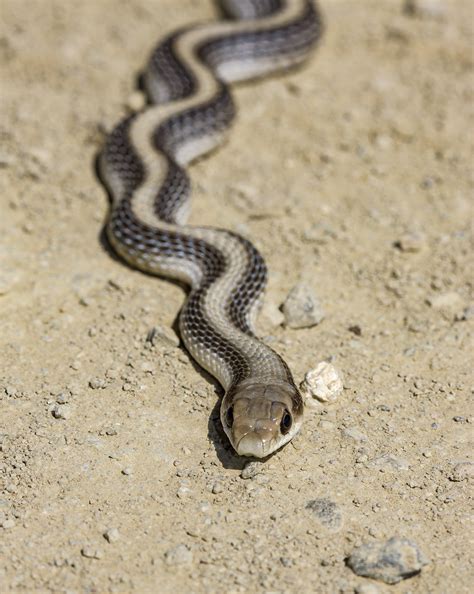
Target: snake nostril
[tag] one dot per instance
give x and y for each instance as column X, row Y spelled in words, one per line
column 286, row 422
column 229, row 417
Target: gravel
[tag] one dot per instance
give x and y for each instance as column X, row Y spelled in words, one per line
column 326, row 512
column 61, row 411
column 302, row 308
column 111, row 535
column 161, row 335
column 391, row 562
column 179, row 555
column 251, row 470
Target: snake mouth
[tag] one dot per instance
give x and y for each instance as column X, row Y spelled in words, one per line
column 254, row 445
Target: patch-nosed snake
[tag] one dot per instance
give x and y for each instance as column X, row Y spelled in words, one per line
column 189, row 112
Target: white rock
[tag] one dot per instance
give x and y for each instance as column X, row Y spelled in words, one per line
column 324, row 382
column 430, row 9
column 302, row 308
column 179, row 555
column 450, row 300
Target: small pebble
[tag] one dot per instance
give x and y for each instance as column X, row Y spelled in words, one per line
column 324, row 383
column 163, row 336
column 302, row 308
column 62, row 398
column 127, row 471
column 354, row 433
column 7, row 524
column 450, row 301
column 426, row 9
column 356, row 329
column 111, row 535
column 91, row 553
column 391, row 561
column 251, row 469
column 97, row 383
column 179, row 555
column 411, row 242
column 462, row 472
column 390, row 462
column 327, row 512
column 61, row 411
column 217, row 488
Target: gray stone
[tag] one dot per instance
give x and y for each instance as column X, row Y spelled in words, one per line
column 251, row 469
column 327, row 513
column 354, row 433
column 163, row 336
column 302, row 308
column 462, row 472
column 111, row 535
column 390, row 462
column 391, row 562
column 447, row 301
column 411, row 242
column 426, row 9
column 179, row 555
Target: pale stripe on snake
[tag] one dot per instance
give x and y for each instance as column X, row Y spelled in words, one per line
column 143, row 166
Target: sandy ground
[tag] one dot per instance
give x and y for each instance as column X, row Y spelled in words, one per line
column 352, row 174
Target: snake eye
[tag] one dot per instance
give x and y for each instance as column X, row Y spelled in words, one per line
column 286, row 423
column 229, row 417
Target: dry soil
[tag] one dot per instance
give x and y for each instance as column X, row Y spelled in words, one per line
column 352, row 174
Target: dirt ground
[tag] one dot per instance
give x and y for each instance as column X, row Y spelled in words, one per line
column 353, row 174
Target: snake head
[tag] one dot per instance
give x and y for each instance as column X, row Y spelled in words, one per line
column 259, row 419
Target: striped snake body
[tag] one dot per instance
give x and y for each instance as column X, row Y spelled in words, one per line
column 142, row 164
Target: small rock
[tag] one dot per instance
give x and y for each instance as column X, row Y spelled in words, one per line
column 324, row 382
column 302, row 308
column 162, row 335
column 7, row 524
column 111, row 535
column 61, row 411
column 127, row 471
column 389, row 462
column 96, row 383
column 449, row 301
column 426, row 9
column 217, row 488
column 411, row 242
column 251, row 469
column 354, row 433
column 391, row 562
column 356, row 329
column 462, row 472
column 91, row 553
column 327, row 512
column 179, row 555
column 62, row 398
column 466, row 314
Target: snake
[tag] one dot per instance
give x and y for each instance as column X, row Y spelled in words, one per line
column 143, row 164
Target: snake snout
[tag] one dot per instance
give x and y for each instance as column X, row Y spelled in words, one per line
column 255, row 444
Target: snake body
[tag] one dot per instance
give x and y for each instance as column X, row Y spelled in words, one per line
column 143, row 165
